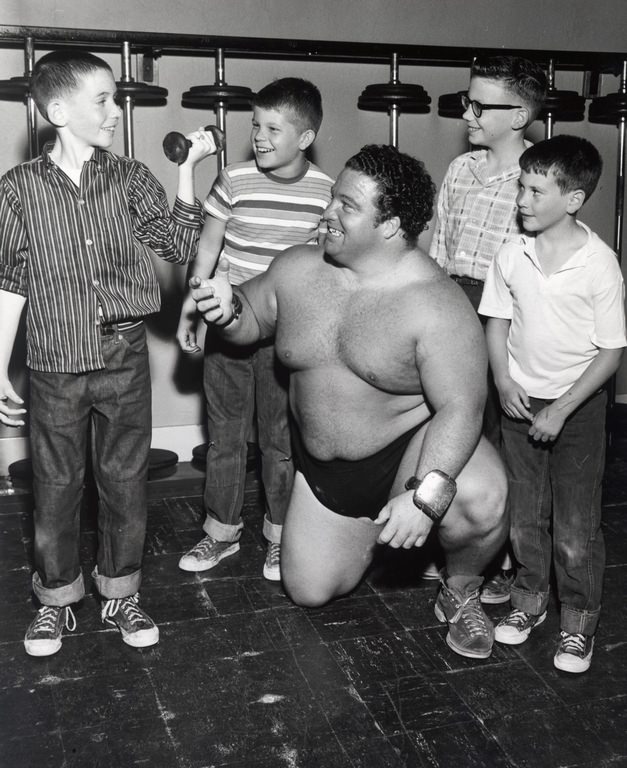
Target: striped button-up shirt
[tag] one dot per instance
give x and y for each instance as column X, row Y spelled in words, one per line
column 477, row 214
column 82, row 254
column 265, row 214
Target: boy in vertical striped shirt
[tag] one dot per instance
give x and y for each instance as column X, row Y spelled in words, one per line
column 78, row 227
column 256, row 209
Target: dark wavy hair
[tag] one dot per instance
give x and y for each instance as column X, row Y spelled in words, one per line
column 574, row 162
column 405, row 187
column 298, row 95
column 56, row 74
column 523, row 78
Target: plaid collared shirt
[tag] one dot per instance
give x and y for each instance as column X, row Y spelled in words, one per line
column 82, row 255
column 476, row 215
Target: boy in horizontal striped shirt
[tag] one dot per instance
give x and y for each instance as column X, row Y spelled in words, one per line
column 256, row 209
column 79, row 225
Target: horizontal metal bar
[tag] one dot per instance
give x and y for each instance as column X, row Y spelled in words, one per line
column 159, row 43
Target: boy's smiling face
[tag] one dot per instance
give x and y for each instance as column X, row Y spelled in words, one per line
column 542, row 204
column 279, row 142
column 89, row 113
column 494, row 125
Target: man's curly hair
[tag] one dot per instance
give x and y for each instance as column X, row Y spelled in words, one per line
column 405, row 187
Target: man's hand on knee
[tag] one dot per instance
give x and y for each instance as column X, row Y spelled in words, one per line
column 404, row 525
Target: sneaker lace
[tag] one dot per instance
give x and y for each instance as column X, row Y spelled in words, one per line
column 573, row 643
column 203, row 548
column 473, row 616
column 128, row 606
column 273, row 555
column 516, row 618
column 47, row 618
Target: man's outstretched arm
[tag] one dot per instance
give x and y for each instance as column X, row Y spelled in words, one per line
column 242, row 315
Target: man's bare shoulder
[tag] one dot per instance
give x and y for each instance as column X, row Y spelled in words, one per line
column 295, row 261
column 433, row 300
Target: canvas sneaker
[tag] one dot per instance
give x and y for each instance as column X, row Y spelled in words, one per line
column 207, row 554
column 43, row 636
column 272, row 565
column 136, row 626
column 471, row 633
column 574, row 652
column 516, row 627
column 497, row 589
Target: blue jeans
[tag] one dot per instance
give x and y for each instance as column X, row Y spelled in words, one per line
column 238, row 381
column 555, row 508
column 116, row 403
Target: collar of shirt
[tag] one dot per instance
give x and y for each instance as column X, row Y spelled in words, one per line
column 478, row 167
column 99, row 157
column 578, row 259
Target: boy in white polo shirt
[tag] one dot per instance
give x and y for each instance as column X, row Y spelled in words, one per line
column 556, row 332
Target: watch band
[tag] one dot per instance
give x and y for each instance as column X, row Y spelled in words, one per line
column 237, row 307
column 433, row 494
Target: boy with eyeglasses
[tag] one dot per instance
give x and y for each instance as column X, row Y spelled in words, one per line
column 476, row 209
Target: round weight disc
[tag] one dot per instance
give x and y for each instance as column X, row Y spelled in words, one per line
column 143, row 94
column 210, row 95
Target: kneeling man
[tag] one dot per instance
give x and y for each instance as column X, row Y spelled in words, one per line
column 387, row 389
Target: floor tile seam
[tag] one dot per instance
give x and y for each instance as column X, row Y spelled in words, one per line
column 431, row 673
column 163, row 712
column 491, row 665
column 484, row 730
column 567, row 713
column 322, row 710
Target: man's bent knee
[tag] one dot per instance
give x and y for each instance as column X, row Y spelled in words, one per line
column 306, row 595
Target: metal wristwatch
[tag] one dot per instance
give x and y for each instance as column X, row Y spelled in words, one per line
column 236, row 305
column 433, row 494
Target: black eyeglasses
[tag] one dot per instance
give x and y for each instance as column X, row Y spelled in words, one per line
column 478, row 108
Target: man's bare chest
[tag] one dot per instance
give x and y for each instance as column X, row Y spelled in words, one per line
column 363, row 333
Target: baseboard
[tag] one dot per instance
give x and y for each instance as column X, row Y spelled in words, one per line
column 181, row 440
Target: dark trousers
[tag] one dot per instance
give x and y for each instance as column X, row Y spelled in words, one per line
column 555, row 508
column 238, row 382
column 116, row 403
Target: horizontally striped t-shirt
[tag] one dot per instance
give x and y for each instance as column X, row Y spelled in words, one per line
column 82, row 254
column 266, row 214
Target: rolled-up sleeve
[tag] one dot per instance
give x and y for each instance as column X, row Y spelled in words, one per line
column 13, row 242
column 174, row 235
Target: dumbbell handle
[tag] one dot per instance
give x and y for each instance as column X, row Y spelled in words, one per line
column 176, row 146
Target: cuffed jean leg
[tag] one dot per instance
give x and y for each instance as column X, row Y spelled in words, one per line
column 229, row 393
column 121, row 437
column 529, row 501
column 577, row 466
column 277, row 468
column 59, row 418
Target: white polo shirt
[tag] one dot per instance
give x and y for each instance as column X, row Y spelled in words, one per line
column 558, row 321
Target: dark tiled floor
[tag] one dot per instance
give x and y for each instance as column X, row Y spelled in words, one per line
column 242, row 677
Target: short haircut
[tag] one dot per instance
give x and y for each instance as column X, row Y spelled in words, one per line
column 56, row 74
column 298, row 95
column 523, row 78
column 405, row 188
column 574, row 162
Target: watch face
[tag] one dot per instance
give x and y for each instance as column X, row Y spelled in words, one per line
column 436, row 491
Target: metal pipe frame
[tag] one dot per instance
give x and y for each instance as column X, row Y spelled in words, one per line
column 394, row 107
column 31, row 109
column 331, row 50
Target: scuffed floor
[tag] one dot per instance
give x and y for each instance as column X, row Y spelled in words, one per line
column 243, row 678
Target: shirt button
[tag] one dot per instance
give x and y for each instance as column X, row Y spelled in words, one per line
column 81, row 202
column 462, row 254
column 89, row 242
column 95, row 282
